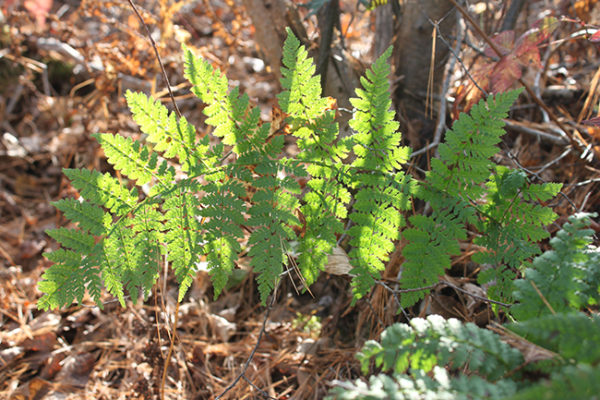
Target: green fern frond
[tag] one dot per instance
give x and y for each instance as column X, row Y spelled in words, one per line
column 75, row 240
column 464, row 162
column 435, row 358
column 432, row 240
column 309, row 120
column 301, row 98
column 89, row 216
column 382, row 192
column 455, row 189
column 511, row 226
column 223, row 209
column 147, row 224
column 196, row 214
column 66, row 280
column 129, row 157
column 576, row 382
column 574, row 336
column 211, row 86
column 182, row 235
column 567, row 275
column 176, row 138
column 271, row 214
column 437, row 341
column 103, row 190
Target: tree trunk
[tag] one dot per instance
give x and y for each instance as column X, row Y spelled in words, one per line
column 412, row 56
column 339, row 81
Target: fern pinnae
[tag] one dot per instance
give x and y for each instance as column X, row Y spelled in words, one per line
column 222, row 209
column 325, row 201
column 271, row 206
column 129, row 157
column 182, row 235
column 90, row 217
column 455, row 189
column 379, row 201
column 173, row 137
column 566, row 275
column 103, row 190
column 211, row 86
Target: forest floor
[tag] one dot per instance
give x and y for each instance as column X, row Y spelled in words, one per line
column 63, row 77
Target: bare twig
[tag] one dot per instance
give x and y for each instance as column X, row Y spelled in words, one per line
column 473, row 295
column 443, row 102
column 170, row 352
column 536, row 174
column 162, row 68
column 395, row 294
column 531, row 93
column 242, row 375
column 510, row 19
column 543, row 136
column 442, row 282
column 542, row 297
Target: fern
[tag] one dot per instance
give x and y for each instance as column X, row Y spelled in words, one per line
column 577, row 382
column 573, row 336
column 414, row 355
column 441, row 359
column 381, row 190
column 185, row 200
column 512, row 226
column 465, row 187
column 566, row 276
column 309, row 120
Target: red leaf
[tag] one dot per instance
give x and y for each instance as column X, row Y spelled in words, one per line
column 527, row 52
column 595, row 37
column 504, row 41
column 39, row 9
column 505, row 73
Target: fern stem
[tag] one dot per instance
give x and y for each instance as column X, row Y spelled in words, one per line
column 169, row 353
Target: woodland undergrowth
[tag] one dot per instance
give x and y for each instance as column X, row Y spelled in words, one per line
column 186, row 200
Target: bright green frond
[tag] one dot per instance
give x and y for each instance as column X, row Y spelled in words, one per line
column 103, row 190
column 438, row 359
column 176, row 138
column 130, row 157
column 382, row 193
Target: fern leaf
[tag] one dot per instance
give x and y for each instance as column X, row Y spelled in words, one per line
column 436, row 358
column 455, row 180
column 63, row 282
column 176, row 138
column 272, row 214
column 301, row 97
column 103, row 190
column 325, row 202
column 574, row 336
column 182, row 236
column 382, row 193
column 129, row 157
column 211, row 86
column 566, row 275
column 73, row 239
column 89, row 216
column 511, row 226
column 577, row 382
column 223, row 210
